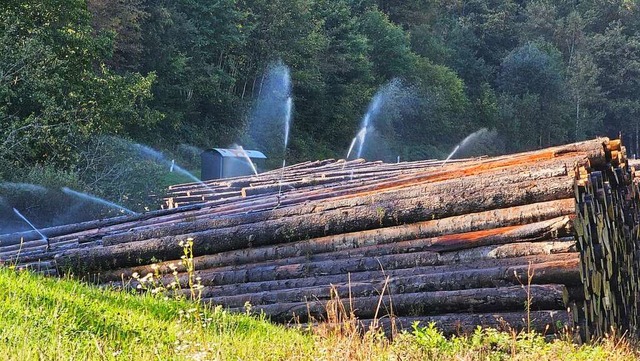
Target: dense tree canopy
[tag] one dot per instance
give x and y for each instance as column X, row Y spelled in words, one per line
column 181, row 73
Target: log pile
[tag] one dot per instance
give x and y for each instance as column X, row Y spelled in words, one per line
column 607, row 211
column 465, row 243
column 304, row 175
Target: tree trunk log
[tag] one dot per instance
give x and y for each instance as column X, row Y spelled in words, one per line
column 342, row 219
column 543, row 322
column 607, row 207
column 352, row 244
column 542, row 297
column 563, row 271
column 252, row 280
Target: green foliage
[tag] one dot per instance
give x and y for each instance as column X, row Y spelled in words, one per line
column 55, row 93
column 490, row 344
column 48, row 318
column 533, row 86
column 529, row 70
column 618, row 55
column 190, row 72
column 113, row 169
column 391, row 51
column 191, row 46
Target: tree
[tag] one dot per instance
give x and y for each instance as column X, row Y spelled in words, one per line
column 347, row 75
column 530, row 76
column 55, row 92
column 121, row 20
column 585, row 95
column 618, row 54
column 391, row 52
column 193, row 48
column 541, row 21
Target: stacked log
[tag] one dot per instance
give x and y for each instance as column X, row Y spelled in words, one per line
column 299, row 176
column 484, row 241
column 607, row 211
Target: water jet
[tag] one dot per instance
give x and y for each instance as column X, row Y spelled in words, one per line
column 96, row 200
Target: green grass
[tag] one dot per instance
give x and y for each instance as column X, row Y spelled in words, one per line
column 60, row 319
column 44, row 318
column 172, row 178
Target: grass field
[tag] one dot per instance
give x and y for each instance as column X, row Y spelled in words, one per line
column 61, row 319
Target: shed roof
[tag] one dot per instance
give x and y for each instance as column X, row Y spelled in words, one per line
column 236, row 153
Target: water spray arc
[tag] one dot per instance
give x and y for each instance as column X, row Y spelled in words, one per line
column 97, row 200
column 451, row 154
column 385, row 94
column 272, row 114
column 44, row 238
column 23, row 187
column 159, row 157
column 287, row 120
column 246, row 157
column 464, row 142
column 358, row 138
column 287, row 124
column 372, row 111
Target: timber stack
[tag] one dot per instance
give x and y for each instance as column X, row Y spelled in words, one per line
column 607, row 210
column 485, row 241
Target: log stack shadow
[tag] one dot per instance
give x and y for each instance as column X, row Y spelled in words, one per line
column 485, row 241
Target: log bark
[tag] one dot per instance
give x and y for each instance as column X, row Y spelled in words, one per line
column 352, row 244
column 458, row 224
column 345, row 218
column 542, row 297
column 291, row 200
column 257, row 204
column 499, row 166
column 258, row 280
column 465, row 256
column 607, row 207
column 570, row 153
column 543, row 322
column 551, row 322
column 578, row 150
column 307, row 267
column 563, row 271
column 280, row 270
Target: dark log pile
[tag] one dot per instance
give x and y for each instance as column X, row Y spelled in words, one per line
column 470, row 242
column 607, row 211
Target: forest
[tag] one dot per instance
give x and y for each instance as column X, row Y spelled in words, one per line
column 84, row 85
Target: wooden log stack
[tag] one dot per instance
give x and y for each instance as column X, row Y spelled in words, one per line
column 607, row 210
column 486, row 241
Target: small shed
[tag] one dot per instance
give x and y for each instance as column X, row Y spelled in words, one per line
column 226, row 163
